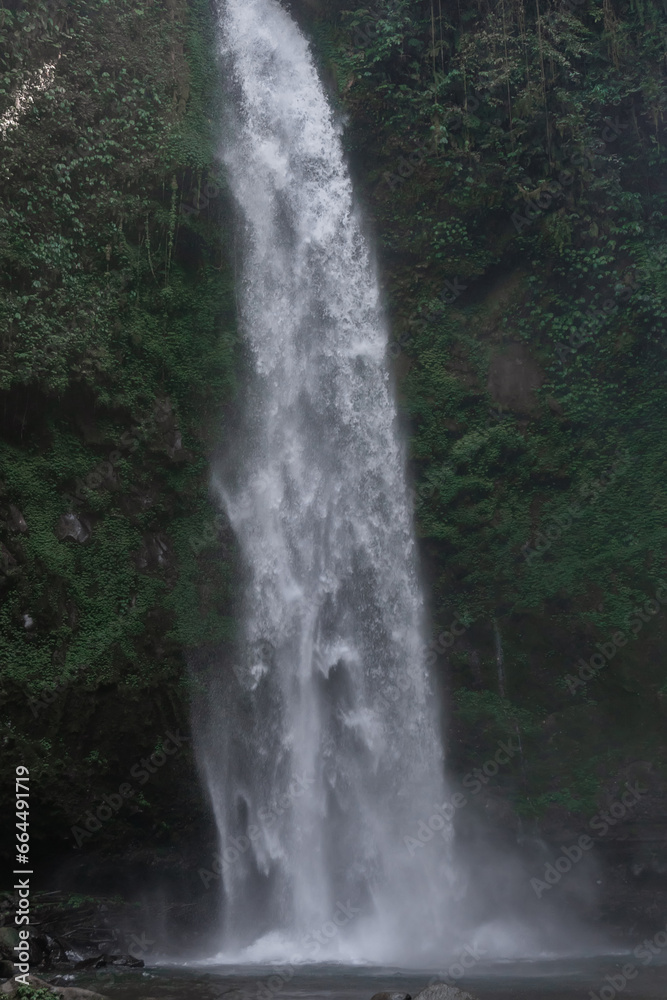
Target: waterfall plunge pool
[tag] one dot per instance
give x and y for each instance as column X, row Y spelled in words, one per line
column 561, row 979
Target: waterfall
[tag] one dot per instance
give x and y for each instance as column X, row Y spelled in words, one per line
column 321, row 746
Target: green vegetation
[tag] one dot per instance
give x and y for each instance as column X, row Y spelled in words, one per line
column 514, row 161
column 512, row 158
column 117, row 357
column 30, row 993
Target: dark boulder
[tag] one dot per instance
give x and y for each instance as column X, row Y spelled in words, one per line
column 64, row 992
column 391, row 996
column 443, row 991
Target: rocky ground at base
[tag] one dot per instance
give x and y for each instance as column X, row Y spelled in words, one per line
column 61, row 993
column 70, row 933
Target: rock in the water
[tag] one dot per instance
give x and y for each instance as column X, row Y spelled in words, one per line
column 442, row 991
column 130, row 961
column 391, row 996
column 66, row 992
column 74, row 993
column 234, row 994
column 95, row 962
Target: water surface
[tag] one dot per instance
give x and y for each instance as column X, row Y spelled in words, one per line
column 553, row 980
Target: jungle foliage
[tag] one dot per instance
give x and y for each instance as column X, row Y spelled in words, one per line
column 117, row 359
column 513, row 159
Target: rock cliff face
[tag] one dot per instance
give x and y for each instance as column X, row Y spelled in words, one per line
column 513, row 170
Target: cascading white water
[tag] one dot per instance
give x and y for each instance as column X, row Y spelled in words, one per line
column 322, row 751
